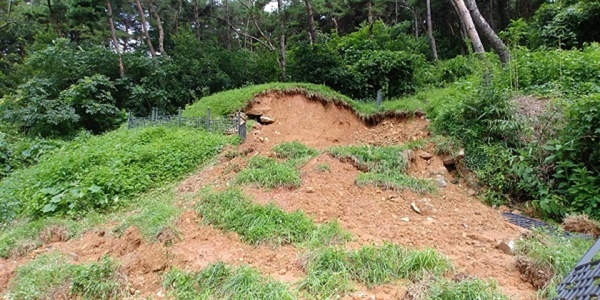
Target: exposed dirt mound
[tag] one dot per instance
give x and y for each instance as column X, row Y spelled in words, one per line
column 533, row 273
column 581, row 224
column 321, row 125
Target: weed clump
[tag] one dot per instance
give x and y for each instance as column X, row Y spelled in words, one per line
column 219, row 281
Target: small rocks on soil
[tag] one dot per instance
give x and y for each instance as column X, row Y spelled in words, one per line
column 405, row 219
column 506, row 247
column 267, row 120
column 441, row 182
column 415, row 208
column 425, row 155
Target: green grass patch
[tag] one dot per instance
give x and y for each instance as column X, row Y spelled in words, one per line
column 269, row 173
column 107, row 171
column 232, row 211
column 219, row 281
column 390, row 159
column 156, row 212
column 22, row 236
column 384, row 167
column 294, row 150
column 151, row 213
column 52, row 276
column 556, row 254
column 330, row 270
column 228, row 102
column 397, row 182
column 466, row 289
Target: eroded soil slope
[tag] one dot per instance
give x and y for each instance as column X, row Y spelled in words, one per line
column 452, row 221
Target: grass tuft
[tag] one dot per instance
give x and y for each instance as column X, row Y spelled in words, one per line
column 22, row 236
column 42, row 278
column 396, row 182
column 385, row 160
column 269, row 173
column 221, row 282
column 156, row 214
column 467, row 289
column 52, row 276
column 368, row 265
column 294, row 150
column 384, row 167
column 97, row 280
column 232, row 211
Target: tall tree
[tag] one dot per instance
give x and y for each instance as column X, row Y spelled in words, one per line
column 466, row 19
column 281, row 39
column 113, row 35
column 145, row 28
column 54, row 19
column 488, row 32
column 161, row 31
column 311, row 22
column 430, row 31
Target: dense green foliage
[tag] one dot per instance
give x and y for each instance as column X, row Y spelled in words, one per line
column 360, row 63
column 232, row 211
column 219, row 281
column 104, row 172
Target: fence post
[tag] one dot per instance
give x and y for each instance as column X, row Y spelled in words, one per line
column 179, row 116
column 241, row 126
column 129, row 120
column 208, row 119
column 379, row 98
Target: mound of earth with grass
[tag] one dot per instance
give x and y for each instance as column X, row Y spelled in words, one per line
column 320, row 202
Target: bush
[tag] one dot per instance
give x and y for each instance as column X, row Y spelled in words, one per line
column 104, row 172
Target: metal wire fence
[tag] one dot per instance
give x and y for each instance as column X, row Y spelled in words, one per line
column 235, row 125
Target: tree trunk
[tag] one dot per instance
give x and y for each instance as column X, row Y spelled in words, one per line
column 282, row 39
column 113, row 35
column 466, row 19
column 430, row 31
column 144, row 28
column 177, row 17
column 54, row 20
column 488, row 32
column 161, row 32
column 196, row 19
column 311, row 22
column 228, row 40
column 370, row 16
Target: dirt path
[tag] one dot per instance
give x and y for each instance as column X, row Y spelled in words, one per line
column 453, row 223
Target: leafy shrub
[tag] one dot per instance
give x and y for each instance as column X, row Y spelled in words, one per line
column 103, row 172
column 359, row 64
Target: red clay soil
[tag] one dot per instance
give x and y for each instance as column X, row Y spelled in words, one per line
column 452, row 222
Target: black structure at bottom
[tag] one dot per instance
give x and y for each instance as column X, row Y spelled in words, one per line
column 530, row 223
column 583, row 282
